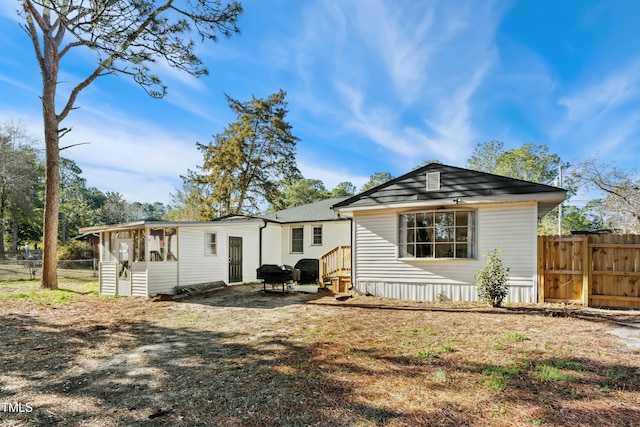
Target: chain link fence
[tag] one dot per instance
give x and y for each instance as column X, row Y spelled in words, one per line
column 32, row 269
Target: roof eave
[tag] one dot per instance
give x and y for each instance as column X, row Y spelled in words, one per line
column 546, row 197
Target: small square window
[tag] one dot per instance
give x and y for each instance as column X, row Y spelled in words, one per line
column 211, row 247
column 317, row 236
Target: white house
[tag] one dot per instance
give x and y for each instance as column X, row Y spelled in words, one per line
column 421, row 236
column 307, row 231
column 147, row 258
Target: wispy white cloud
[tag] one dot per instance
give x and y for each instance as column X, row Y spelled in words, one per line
column 146, row 159
column 422, row 57
column 596, row 100
column 141, row 160
column 603, row 118
column 400, row 37
column 331, row 177
column 18, row 84
column 9, row 9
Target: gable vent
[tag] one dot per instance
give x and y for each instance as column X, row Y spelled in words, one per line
column 433, row 181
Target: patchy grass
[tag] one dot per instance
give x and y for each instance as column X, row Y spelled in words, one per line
column 549, row 372
column 67, row 291
column 238, row 357
column 498, row 377
column 515, row 336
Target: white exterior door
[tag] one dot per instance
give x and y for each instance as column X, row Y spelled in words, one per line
column 125, row 258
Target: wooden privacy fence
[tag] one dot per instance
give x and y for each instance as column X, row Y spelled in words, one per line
column 594, row 270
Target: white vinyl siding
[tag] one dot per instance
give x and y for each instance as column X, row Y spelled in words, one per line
column 273, row 245
column 379, row 270
column 193, row 266
column 196, row 267
column 108, row 277
column 162, row 277
column 334, row 233
column 139, row 279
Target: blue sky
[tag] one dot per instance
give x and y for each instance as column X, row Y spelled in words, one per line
column 372, row 86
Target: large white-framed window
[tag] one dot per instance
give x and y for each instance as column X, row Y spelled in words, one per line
column 438, row 234
column 317, row 235
column 210, row 244
column 297, row 240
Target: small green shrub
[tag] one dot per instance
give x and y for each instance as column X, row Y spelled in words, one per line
column 72, row 250
column 428, row 353
column 515, row 336
column 447, row 348
column 549, row 373
column 441, row 376
column 499, row 377
column 492, row 279
column 569, row 364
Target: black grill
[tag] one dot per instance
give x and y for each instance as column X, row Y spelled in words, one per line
column 309, row 270
column 273, row 274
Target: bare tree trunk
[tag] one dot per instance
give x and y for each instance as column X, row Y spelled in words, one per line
column 51, row 206
column 14, row 234
column 2, row 209
column 52, row 184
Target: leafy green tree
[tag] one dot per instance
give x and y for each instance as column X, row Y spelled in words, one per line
column 247, row 165
column 115, row 209
column 304, row 191
column 155, row 210
column 376, row 179
column 425, row 163
column 344, row 189
column 586, row 218
column 124, row 37
column 76, row 209
column 19, row 178
column 530, row 162
column 73, row 250
column 185, row 202
column 486, row 156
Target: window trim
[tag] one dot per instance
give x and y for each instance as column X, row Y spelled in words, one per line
column 313, row 235
column 291, row 246
column 207, row 243
column 472, row 244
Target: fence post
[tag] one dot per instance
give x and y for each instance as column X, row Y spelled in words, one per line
column 586, row 270
column 540, row 269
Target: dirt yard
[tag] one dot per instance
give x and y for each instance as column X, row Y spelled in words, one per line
column 239, row 357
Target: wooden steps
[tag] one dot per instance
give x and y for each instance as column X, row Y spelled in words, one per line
column 335, row 269
column 338, row 284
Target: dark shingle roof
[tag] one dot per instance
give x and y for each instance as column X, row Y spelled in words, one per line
column 455, row 183
column 317, row 211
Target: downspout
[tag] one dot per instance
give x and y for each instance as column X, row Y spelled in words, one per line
column 352, row 252
column 260, row 241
